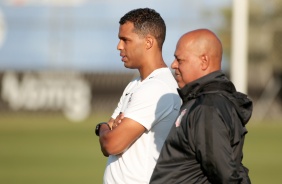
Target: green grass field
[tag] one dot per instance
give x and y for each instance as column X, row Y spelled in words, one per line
column 41, row 149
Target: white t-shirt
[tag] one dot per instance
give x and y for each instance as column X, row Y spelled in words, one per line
column 154, row 103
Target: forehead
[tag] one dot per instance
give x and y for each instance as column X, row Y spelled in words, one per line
column 185, row 46
column 126, row 28
column 180, row 49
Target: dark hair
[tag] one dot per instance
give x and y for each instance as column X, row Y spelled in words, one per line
column 146, row 21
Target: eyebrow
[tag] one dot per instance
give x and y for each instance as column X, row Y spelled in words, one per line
column 176, row 57
column 123, row 38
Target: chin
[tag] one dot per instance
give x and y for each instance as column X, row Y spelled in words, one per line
column 181, row 84
column 126, row 66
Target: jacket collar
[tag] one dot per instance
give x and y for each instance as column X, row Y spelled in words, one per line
column 213, row 81
column 219, row 83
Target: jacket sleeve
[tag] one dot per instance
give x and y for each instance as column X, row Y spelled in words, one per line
column 212, row 146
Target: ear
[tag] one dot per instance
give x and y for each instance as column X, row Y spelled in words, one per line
column 205, row 61
column 149, row 41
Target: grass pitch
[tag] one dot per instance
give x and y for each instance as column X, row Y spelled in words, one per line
column 263, row 152
column 45, row 149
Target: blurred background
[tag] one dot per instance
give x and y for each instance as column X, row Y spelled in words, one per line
column 61, row 74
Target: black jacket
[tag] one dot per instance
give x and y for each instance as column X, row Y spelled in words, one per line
column 205, row 144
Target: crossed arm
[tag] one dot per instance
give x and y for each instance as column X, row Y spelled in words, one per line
column 124, row 132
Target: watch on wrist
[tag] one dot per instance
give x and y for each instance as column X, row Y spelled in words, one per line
column 97, row 129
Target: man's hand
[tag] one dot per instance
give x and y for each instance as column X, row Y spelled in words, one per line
column 124, row 132
column 117, row 121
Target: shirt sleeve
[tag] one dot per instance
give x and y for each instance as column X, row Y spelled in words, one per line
column 122, row 99
column 118, row 108
column 149, row 104
column 212, row 146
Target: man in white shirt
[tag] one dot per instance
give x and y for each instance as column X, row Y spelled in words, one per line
column 149, row 105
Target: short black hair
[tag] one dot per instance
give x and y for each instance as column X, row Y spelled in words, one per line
column 146, row 21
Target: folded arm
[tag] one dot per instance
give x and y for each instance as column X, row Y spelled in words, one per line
column 124, row 132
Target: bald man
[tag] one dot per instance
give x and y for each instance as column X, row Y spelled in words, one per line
column 206, row 141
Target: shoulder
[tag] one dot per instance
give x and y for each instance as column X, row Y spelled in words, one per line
column 215, row 99
column 213, row 106
column 158, row 87
column 164, row 80
column 212, row 103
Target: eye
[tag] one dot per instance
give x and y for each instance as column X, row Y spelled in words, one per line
column 179, row 61
column 124, row 39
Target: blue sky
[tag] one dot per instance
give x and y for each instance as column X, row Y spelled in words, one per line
column 84, row 37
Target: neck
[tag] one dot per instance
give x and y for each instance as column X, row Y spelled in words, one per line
column 153, row 60
column 146, row 71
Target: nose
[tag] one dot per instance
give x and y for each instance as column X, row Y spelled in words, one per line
column 119, row 45
column 174, row 64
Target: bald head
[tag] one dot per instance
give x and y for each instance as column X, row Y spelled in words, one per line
column 204, row 42
column 197, row 54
